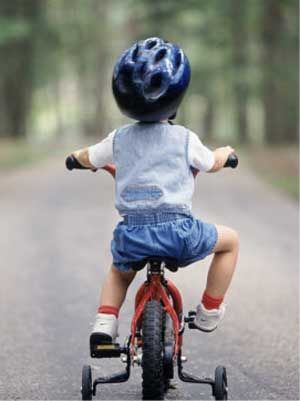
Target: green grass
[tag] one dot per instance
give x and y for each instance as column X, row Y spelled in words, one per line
column 290, row 185
column 278, row 165
column 17, row 153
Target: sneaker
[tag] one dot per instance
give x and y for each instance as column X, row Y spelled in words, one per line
column 105, row 330
column 208, row 319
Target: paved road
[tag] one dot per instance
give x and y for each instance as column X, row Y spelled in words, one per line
column 54, row 245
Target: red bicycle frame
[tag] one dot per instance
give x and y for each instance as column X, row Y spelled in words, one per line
column 160, row 289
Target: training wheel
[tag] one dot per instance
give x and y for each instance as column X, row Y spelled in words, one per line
column 87, row 385
column 220, row 385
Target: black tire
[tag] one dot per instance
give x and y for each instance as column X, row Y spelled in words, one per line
column 152, row 361
column 168, row 343
column 220, row 386
column 87, row 384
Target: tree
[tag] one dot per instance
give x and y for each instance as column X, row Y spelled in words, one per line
column 17, row 48
column 239, row 63
column 280, row 71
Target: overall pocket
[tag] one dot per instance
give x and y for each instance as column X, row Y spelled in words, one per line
column 133, row 193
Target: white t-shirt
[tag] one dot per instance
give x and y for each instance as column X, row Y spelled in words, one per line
column 199, row 156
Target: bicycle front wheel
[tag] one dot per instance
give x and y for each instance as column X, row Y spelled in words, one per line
column 152, row 360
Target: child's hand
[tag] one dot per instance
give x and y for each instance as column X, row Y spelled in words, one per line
column 221, row 156
column 224, row 152
column 82, row 155
column 80, row 160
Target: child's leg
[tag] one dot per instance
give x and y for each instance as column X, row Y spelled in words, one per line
column 211, row 309
column 223, row 264
column 112, row 296
column 115, row 287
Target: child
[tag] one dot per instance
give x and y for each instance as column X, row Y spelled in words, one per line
column 154, row 181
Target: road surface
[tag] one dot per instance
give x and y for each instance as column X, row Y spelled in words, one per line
column 55, row 235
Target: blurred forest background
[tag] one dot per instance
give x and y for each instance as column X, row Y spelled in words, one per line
column 57, row 58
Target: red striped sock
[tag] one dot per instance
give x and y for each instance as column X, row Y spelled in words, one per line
column 211, row 303
column 109, row 310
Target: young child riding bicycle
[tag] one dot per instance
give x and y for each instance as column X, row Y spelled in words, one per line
column 155, row 162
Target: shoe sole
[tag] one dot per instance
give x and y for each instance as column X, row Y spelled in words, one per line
column 99, row 338
column 206, row 330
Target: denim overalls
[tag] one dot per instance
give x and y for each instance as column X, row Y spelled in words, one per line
column 154, row 188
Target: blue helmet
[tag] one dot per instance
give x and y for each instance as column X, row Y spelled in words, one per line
column 150, row 79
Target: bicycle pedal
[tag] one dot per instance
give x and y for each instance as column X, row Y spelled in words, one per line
column 106, row 350
column 190, row 317
column 192, row 325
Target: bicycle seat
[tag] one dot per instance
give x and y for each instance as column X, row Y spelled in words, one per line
column 156, row 261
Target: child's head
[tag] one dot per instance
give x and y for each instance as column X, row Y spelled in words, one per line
column 150, row 79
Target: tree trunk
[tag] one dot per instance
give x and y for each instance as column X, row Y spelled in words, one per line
column 101, row 57
column 278, row 86
column 208, row 121
column 17, row 63
column 240, row 89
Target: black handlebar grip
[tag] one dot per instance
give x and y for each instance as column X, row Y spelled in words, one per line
column 232, row 161
column 72, row 162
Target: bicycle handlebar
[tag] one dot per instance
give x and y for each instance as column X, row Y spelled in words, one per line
column 232, row 161
column 72, row 162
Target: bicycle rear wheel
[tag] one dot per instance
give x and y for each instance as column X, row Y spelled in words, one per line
column 168, row 344
column 152, row 360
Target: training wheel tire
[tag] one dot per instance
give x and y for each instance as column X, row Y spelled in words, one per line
column 220, row 385
column 87, row 384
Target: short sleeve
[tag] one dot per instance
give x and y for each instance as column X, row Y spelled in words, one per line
column 200, row 157
column 102, row 153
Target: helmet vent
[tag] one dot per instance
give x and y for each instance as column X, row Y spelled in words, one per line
column 135, row 53
column 160, row 54
column 178, row 60
column 143, row 69
column 156, row 80
column 125, row 78
column 151, row 44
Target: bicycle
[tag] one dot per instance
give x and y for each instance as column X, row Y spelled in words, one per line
column 156, row 336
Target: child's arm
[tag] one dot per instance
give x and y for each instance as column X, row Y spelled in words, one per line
column 202, row 158
column 96, row 156
column 221, row 156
